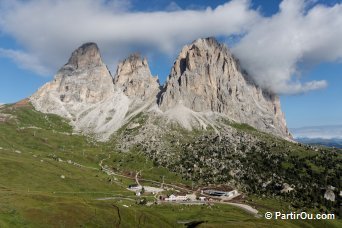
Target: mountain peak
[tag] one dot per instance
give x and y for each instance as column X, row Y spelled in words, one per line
column 87, row 55
column 131, row 64
column 209, row 42
column 207, row 78
column 84, row 79
column 134, row 77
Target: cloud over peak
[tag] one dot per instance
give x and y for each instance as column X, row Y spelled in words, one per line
column 270, row 48
column 274, row 47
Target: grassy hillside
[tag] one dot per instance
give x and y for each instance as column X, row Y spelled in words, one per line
column 50, row 177
column 261, row 164
column 240, row 156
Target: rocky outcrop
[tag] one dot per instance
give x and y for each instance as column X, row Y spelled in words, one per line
column 85, row 57
column 83, row 79
column 329, row 194
column 286, row 188
column 134, row 77
column 207, row 78
column 83, row 91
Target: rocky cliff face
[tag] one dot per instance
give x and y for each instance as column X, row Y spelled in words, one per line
column 85, row 57
column 83, row 80
column 84, row 91
column 207, row 78
column 205, row 83
column 134, row 77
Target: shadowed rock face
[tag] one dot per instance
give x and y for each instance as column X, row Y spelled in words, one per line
column 207, row 78
column 86, row 56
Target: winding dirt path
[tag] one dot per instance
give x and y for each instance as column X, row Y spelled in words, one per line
column 245, row 207
column 137, row 179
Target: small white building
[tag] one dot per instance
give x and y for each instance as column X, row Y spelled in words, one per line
column 181, row 198
column 202, row 198
column 171, row 198
column 176, row 198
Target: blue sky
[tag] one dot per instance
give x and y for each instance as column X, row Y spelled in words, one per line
column 305, row 68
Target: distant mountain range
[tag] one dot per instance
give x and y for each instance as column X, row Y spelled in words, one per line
column 323, row 142
column 319, row 135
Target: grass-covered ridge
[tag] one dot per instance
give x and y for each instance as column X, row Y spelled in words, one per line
column 50, row 177
column 34, row 153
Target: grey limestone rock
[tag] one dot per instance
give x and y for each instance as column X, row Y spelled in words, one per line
column 84, row 78
column 134, row 77
column 83, row 91
column 207, row 78
column 205, row 82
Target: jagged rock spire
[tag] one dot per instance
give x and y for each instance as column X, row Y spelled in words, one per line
column 84, row 79
column 87, row 55
column 134, row 77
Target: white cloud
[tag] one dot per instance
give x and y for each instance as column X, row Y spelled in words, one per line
column 271, row 48
column 274, row 47
column 24, row 60
column 324, row 132
column 50, row 29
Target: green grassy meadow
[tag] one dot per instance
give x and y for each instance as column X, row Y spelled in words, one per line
column 43, row 185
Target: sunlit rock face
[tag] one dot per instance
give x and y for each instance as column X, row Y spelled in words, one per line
column 84, row 79
column 207, row 78
column 83, row 91
column 206, row 82
column 134, row 77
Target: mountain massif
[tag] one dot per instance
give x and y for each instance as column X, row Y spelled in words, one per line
column 71, row 152
column 206, row 83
